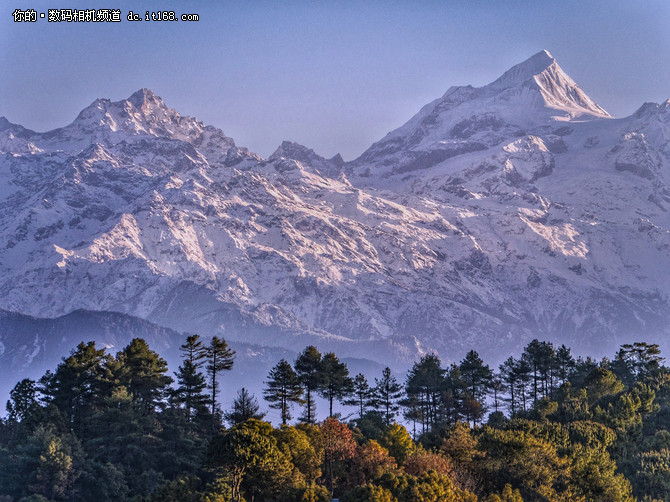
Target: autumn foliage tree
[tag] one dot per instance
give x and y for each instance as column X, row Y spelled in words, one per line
column 370, row 461
column 338, row 444
column 422, row 461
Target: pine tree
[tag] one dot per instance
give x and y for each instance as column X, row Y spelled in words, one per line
column 245, row 406
column 361, row 395
column 413, row 411
column 455, row 399
column 477, row 378
column 426, row 381
column 219, row 358
column 540, row 357
column 79, row 384
column 336, row 382
column 308, row 369
column 476, row 375
column 565, row 363
column 387, row 392
column 498, row 387
column 508, row 375
column 283, row 388
column 522, row 374
column 142, row 372
column 23, row 400
column 191, row 381
column 640, row 359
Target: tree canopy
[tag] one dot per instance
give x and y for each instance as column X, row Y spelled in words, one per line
column 118, row 428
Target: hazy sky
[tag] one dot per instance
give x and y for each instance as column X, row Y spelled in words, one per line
column 333, row 75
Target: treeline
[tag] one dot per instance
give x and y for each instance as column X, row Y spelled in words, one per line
column 544, row 426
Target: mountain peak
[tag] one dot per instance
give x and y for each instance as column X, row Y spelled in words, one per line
column 296, row 151
column 542, row 72
column 542, row 58
column 308, row 157
column 143, row 100
column 337, row 160
column 537, row 62
column 145, row 97
column 526, row 70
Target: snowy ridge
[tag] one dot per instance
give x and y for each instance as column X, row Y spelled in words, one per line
column 558, row 90
column 495, row 215
column 527, row 99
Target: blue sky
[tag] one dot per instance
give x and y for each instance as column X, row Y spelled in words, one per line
column 334, row 76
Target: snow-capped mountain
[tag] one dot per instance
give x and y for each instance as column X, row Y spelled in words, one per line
column 532, row 97
column 498, row 214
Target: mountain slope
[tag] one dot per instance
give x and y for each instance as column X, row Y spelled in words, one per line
column 516, row 210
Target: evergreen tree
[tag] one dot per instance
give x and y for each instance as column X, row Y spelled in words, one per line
column 565, row 363
column 639, row 360
column 426, row 381
column 477, row 378
column 191, row 381
column 412, row 411
column 540, row 356
column 110, row 448
column 455, row 399
column 125, row 434
column 42, row 468
column 497, row 387
column 245, row 406
column 79, row 384
column 336, row 382
column 22, row 400
column 219, row 358
column 476, row 375
column 283, row 388
column 522, row 374
column 361, row 395
column 387, row 392
column 600, row 383
column 308, row 369
column 143, row 373
column 508, row 375
column 582, row 370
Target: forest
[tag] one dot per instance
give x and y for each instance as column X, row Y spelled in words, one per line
column 541, row 427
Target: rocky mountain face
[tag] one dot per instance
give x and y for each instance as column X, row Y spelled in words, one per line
column 498, row 214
